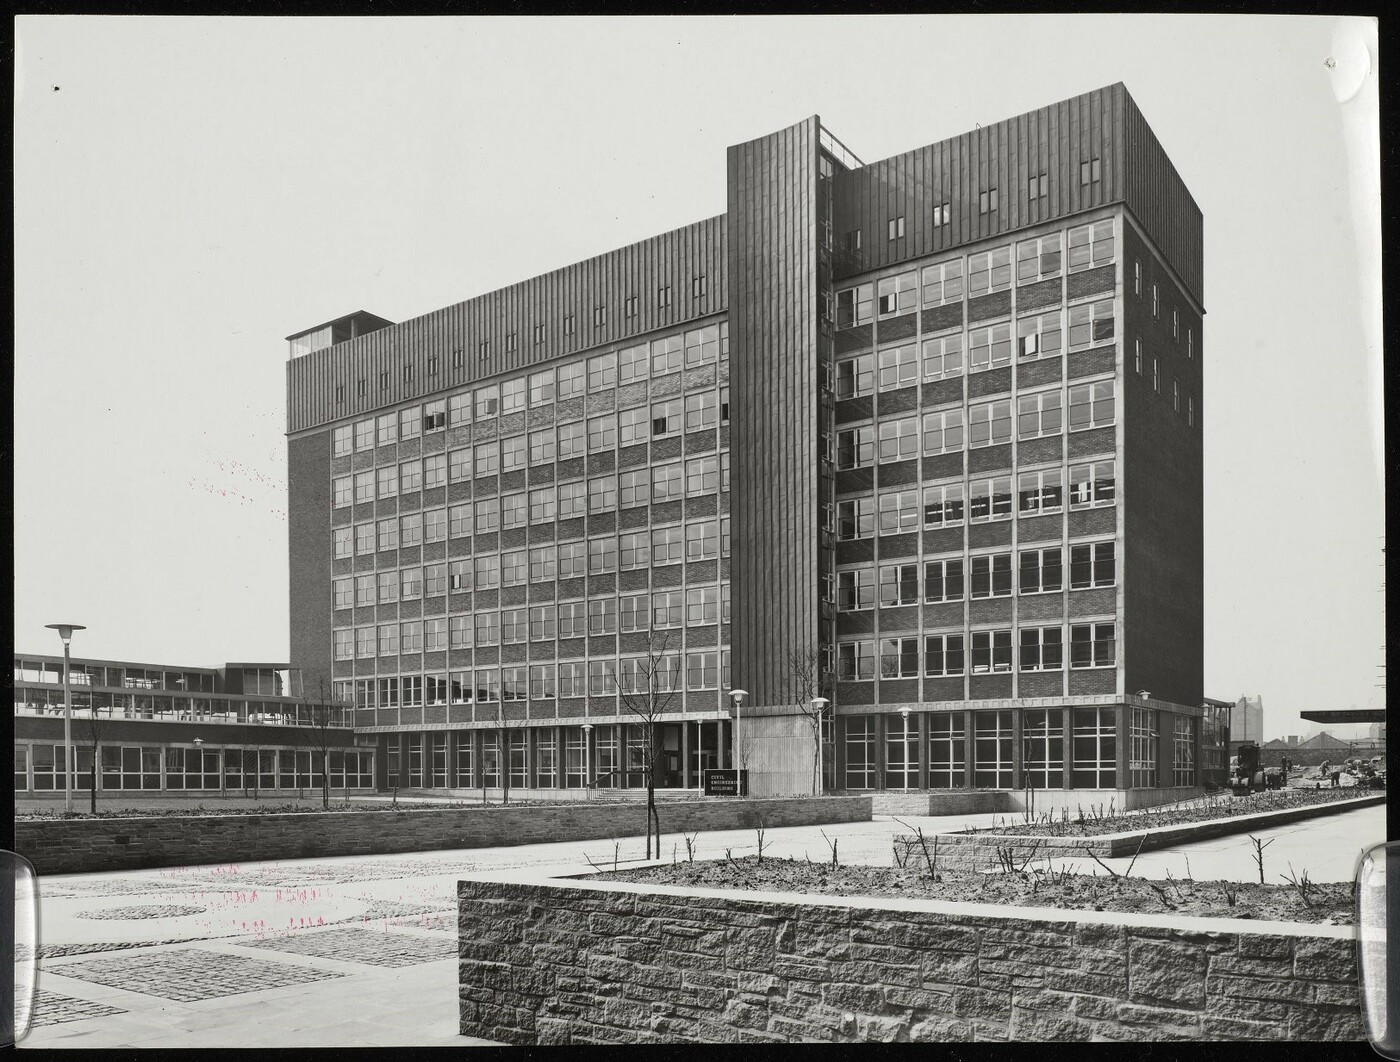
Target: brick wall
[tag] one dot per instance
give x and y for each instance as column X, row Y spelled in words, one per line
column 545, row 963
column 92, row 845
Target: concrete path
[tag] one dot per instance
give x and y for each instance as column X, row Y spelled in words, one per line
column 361, row 951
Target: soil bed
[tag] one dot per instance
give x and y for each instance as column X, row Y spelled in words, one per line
column 1329, row 903
column 1097, row 819
column 202, row 811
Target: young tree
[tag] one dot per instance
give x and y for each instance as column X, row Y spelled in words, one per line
column 89, row 731
column 646, row 686
column 803, row 682
column 317, row 723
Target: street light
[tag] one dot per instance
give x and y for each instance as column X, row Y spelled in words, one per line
column 904, row 714
column 818, row 706
column 65, row 631
column 587, row 760
column 738, row 698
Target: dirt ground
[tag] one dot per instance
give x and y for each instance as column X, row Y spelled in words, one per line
column 1020, row 887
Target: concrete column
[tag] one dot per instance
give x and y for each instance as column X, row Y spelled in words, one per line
column 880, row 752
column 1166, row 748
column 838, row 736
column 923, row 749
column 1067, row 746
column 1018, row 772
column 1120, row 718
column 969, row 749
column 685, row 755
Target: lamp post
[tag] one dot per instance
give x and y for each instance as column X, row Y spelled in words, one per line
column 738, row 697
column 818, row 707
column 904, row 714
column 65, row 631
column 587, row 760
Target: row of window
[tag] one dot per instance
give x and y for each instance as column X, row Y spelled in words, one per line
column 976, row 274
column 695, row 606
column 40, row 768
column 1091, row 645
column 986, row 346
column 1038, row 492
column 1157, row 311
column 703, row 669
column 691, row 349
column 1190, row 408
column 987, row 575
column 1091, row 405
column 654, row 484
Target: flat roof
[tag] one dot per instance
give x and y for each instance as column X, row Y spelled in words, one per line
column 1344, row 715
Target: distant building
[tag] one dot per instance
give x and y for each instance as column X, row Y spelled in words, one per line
column 1247, row 720
column 162, row 730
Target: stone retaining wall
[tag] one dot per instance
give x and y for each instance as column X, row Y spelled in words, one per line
column 595, row 962
column 1132, row 841
column 948, row 802
column 66, row 846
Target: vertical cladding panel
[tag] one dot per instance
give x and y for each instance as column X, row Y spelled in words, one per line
column 772, row 269
column 309, row 555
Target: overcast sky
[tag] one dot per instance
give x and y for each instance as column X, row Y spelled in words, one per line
column 191, row 190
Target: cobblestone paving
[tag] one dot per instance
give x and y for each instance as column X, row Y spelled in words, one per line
column 399, row 909
column 375, row 947
column 59, row 951
column 51, row 1008
column 118, row 888
column 174, row 910
column 189, row 974
column 442, row 922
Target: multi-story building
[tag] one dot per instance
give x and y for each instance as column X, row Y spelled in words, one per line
column 158, row 730
column 946, row 409
column 1247, row 720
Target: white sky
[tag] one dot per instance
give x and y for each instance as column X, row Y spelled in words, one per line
column 191, row 190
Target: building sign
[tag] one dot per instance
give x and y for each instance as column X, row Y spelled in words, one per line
column 723, row 783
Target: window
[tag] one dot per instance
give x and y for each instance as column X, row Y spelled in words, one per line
column 602, row 494
column 701, row 475
column 667, row 545
column 701, row 411
column 571, row 684
column 572, row 439
column 1089, row 171
column 1142, row 747
column 1156, row 378
column 899, row 439
column 701, row 605
column 666, row 354
column 989, row 499
column 488, row 516
column 667, row 482
column 943, row 580
column 388, row 534
column 407, row 371
column 542, row 563
column 1176, row 324
column 386, row 429
column 991, row 745
column 542, row 446
column 989, row 423
column 513, row 510
column 487, row 458
column 1043, row 747
column 570, row 380
column 855, row 519
column 513, row 396
column 434, row 470
column 629, row 306
column 896, row 227
column 943, row 655
column 855, row 589
column 989, row 347
column 855, row 447
column 364, row 539
column 341, row 492
column 634, row 425
column 541, row 387
column 1137, row 355
column 1156, row 303
column 697, row 286
column 515, row 626
column 1090, row 324
column 1039, row 186
column 899, row 512
column 1091, row 645
column 510, row 342
column 1038, row 336
column 663, row 296
column 1190, row 343
column 410, row 476
column 855, row 660
column 701, row 540
column 1041, row 570
column 898, row 294
column 343, row 591
column 899, row 658
column 941, row 214
column 1137, row 278
column 602, row 433
column 1038, row 415
column 947, row 747
column 991, row 652
column 602, row 372
column 899, row 367
column 634, row 488
column 701, row 346
column 602, row 616
column 1183, row 750
column 855, row 376
column 854, row 305
column 515, row 686
column 1176, row 395
column 1091, row 485
column 1038, row 259
column 344, row 645
column 459, row 575
column 989, row 271
column 943, row 282
column 943, row 356
column 434, row 636
column 943, row 505
column 635, row 610
column 342, row 441
column 1190, row 411
column 602, row 555
column 411, row 583
column 1040, row 491
column 435, row 416
column 633, row 364
column 987, row 201
column 989, row 576
column 1090, row 245
column 434, row 525
column 943, row 431
column 388, row 639
column 702, row 670
column 364, row 435
column 573, row 621
column 899, row 584
column 665, row 418
column 487, row 571
column 1091, row 564
column 1090, row 405
column 542, row 507
column 488, row 629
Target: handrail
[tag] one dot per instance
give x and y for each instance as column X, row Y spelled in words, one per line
column 842, row 153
